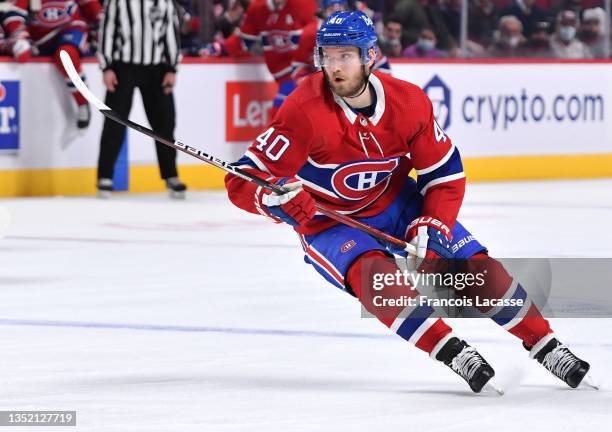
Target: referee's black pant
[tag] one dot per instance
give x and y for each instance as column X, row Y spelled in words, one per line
column 158, row 106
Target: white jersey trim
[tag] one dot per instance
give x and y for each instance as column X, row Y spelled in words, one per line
column 316, row 187
column 256, row 161
column 380, row 103
column 380, row 99
column 438, row 164
column 318, row 165
column 442, row 180
column 283, row 72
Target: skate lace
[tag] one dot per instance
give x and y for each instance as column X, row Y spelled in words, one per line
column 559, row 361
column 467, row 362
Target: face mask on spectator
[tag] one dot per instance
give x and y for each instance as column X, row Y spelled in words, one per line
column 512, row 41
column 567, row 33
column 393, row 42
column 426, row 44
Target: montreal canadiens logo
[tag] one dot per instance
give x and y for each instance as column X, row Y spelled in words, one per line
column 348, row 246
column 280, row 40
column 356, row 181
column 55, row 12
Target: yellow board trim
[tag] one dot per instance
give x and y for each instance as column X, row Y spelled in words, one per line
column 550, row 167
column 81, row 181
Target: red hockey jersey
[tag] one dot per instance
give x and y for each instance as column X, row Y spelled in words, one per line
column 53, row 16
column 12, row 17
column 354, row 164
column 278, row 31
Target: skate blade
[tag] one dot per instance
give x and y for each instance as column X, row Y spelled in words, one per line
column 492, row 387
column 177, row 195
column 590, row 382
column 103, row 194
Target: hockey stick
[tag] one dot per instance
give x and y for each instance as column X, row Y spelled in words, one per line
column 210, row 159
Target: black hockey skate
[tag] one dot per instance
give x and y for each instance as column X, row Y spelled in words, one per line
column 176, row 188
column 105, row 187
column 465, row 361
column 560, row 361
column 83, row 116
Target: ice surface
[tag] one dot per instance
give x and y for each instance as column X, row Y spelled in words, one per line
column 145, row 314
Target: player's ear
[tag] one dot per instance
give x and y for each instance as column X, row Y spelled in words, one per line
column 372, row 56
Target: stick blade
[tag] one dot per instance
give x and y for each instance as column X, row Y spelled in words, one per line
column 78, row 82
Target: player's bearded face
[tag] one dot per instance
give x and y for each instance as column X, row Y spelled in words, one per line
column 343, row 70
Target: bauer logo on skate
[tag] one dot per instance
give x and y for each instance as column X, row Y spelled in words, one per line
column 357, row 180
column 247, row 111
column 9, row 115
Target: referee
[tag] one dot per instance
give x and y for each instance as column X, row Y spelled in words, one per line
column 139, row 48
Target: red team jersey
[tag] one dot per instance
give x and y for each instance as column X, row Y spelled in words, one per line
column 58, row 15
column 277, row 31
column 354, row 164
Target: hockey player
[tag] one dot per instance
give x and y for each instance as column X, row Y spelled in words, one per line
column 57, row 25
column 303, row 56
column 13, row 24
column 276, row 25
column 347, row 139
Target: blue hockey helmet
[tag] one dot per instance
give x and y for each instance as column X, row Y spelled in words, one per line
column 327, row 3
column 353, row 28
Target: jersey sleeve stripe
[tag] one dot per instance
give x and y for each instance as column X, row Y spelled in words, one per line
column 250, row 37
column 259, row 164
column 441, row 180
column 438, row 164
column 452, row 166
column 282, row 72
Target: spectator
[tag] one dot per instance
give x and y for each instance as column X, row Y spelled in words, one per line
column 528, row 14
column 564, row 42
column 509, row 40
column 591, row 31
column 206, row 19
column 482, row 21
column 573, row 5
column 451, row 11
column 131, row 61
column 231, row 18
column 413, row 19
column 425, row 46
column 538, row 45
column 189, row 26
column 437, row 22
column 391, row 40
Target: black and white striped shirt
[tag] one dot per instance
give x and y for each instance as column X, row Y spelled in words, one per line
column 142, row 32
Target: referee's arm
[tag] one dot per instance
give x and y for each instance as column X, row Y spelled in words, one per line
column 107, row 35
column 171, row 42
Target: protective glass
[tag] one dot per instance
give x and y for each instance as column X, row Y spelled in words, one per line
column 331, row 57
